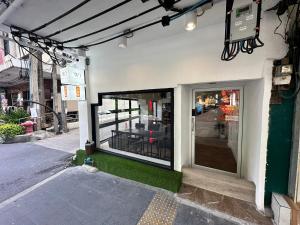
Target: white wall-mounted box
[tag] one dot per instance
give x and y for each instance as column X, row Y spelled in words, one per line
column 281, row 209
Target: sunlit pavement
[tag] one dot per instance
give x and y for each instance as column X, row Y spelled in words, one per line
column 67, row 142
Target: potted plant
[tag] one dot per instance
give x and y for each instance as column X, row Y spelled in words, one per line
column 89, row 147
column 9, row 131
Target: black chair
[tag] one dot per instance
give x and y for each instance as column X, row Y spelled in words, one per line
column 135, row 143
column 154, row 127
column 139, row 126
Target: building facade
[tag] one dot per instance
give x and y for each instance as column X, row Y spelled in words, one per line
column 223, row 107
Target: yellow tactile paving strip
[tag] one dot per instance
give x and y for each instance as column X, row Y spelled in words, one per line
column 161, row 211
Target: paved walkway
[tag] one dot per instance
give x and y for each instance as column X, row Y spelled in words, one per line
column 77, row 197
column 68, row 142
column 23, row 165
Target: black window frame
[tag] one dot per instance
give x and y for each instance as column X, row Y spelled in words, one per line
column 94, row 113
column 6, row 47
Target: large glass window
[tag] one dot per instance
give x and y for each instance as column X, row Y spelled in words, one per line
column 138, row 124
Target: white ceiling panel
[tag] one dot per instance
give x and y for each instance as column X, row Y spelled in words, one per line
column 33, row 13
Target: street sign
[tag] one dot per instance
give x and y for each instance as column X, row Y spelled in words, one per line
column 72, row 76
column 73, row 92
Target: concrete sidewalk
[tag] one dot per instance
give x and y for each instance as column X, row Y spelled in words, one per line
column 77, row 197
column 67, row 142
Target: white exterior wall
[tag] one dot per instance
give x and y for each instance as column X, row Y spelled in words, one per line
column 255, row 132
column 183, row 58
column 191, row 58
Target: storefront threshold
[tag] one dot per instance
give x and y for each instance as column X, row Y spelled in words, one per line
column 223, row 184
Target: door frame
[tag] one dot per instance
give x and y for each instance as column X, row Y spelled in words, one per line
column 240, row 135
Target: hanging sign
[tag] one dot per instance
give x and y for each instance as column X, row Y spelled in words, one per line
column 72, row 76
column 33, row 113
column 231, row 118
column 73, row 92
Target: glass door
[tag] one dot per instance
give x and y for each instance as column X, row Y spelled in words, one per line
column 216, row 129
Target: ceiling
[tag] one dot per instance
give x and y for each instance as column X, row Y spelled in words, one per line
column 33, row 13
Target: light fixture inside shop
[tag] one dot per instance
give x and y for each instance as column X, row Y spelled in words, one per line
column 190, row 20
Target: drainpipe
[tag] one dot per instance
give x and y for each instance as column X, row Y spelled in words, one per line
column 11, row 8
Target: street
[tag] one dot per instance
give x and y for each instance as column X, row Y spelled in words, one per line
column 23, row 165
column 76, row 197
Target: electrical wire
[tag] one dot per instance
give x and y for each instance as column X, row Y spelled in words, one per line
column 116, row 24
column 41, row 41
column 288, row 20
column 294, row 45
column 61, row 16
column 170, row 7
column 43, row 46
column 24, row 47
column 5, row 2
column 190, row 9
column 52, row 56
column 113, row 25
column 121, row 35
column 89, row 19
column 276, row 29
column 173, row 17
column 110, row 35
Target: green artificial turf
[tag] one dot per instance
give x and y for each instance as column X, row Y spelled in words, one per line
column 133, row 170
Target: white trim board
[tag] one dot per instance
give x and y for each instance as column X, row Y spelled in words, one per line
column 137, row 156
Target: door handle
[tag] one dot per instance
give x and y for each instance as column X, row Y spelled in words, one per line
column 193, row 124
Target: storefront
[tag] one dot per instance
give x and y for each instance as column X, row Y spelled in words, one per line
column 220, row 109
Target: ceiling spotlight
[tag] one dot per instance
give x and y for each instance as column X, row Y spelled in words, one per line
column 190, row 20
column 122, row 42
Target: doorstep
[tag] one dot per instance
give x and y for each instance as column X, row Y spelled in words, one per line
column 232, row 207
column 223, row 193
column 220, row 183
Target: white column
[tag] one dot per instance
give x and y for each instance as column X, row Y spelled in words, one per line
column 177, row 128
column 261, row 176
column 85, row 128
column 84, row 110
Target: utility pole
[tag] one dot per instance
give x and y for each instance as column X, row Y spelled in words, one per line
column 37, row 85
column 41, row 87
column 55, row 99
column 63, row 115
